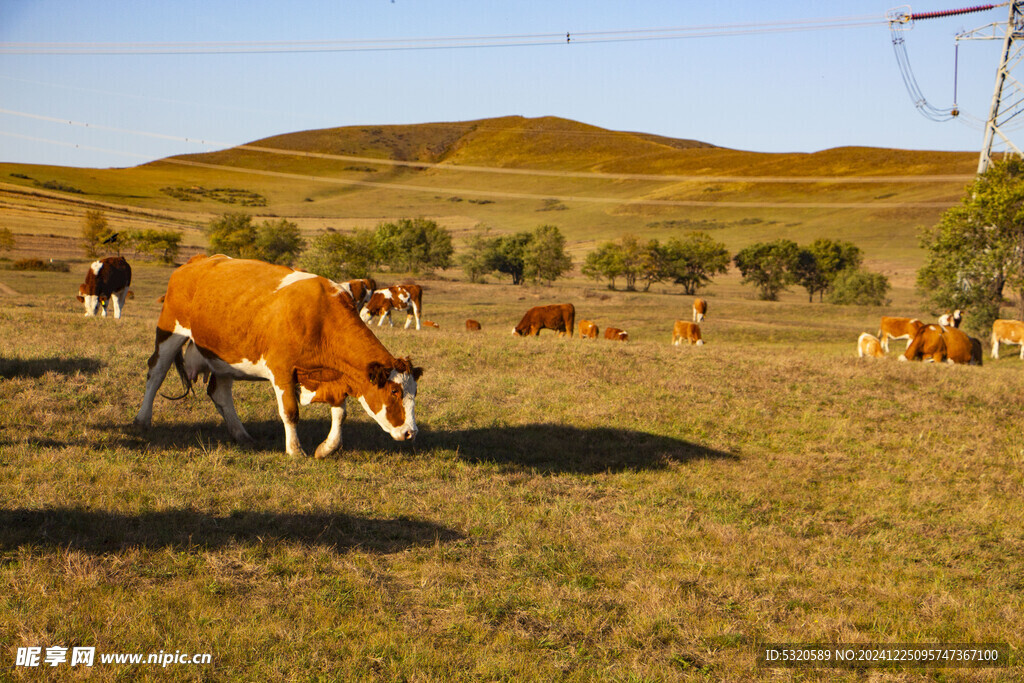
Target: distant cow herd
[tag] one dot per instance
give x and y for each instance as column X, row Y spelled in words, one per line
column 233, row 319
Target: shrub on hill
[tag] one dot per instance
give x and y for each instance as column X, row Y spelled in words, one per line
column 338, row 256
column 769, row 266
column 412, row 245
column 41, row 265
column 234, row 234
column 859, row 287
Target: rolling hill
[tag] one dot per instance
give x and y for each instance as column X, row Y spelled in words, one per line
column 515, row 173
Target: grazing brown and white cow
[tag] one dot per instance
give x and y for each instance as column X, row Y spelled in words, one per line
column 588, row 330
column 558, row 317
column 106, row 281
column 935, row 343
column 868, row 345
column 897, row 328
column 472, row 326
column 686, row 331
column 1007, row 332
column 431, row 323
column 615, row 334
column 408, row 298
column 951, row 318
column 700, row 309
column 357, row 292
column 250, row 320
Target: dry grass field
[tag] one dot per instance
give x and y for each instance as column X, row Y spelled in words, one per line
column 572, row 510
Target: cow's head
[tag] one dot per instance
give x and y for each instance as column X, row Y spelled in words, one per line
column 92, row 302
column 390, row 398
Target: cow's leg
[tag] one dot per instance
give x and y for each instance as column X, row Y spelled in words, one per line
column 385, row 314
column 412, row 311
column 1022, row 350
column 995, row 347
column 219, row 392
column 118, row 299
column 288, row 409
column 333, row 440
column 168, row 345
column 884, row 341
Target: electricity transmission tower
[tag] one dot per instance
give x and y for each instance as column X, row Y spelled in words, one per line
column 1008, row 97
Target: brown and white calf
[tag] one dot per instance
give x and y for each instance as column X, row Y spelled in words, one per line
column 472, row 326
column 357, row 292
column 615, row 334
column 106, row 282
column 700, row 309
column 869, row 346
column 558, row 317
column 588, row 330
column 408, row 298
column 1007, row 332
column 686, row 331
column 897, row 328
column 249, row 320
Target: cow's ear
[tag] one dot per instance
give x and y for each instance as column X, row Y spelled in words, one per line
column 81, row 299
column 416, row 373
column 311, row 378
column 378, row 373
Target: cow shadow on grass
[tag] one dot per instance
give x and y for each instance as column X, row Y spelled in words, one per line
column 34, row 368
column 546, row 448
column 102, row 532
column 556, row 448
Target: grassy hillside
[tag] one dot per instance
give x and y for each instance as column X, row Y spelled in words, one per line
column 513, row 174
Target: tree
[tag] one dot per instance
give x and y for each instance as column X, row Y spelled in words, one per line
column 479, row 258
column 859, row 287
column 338, row 256
column 604, row 263
column 510, row 255
column 769, row 266
column 162, row 245
column 95, row 231
column 693, row 260
column 412, row 244
column 977, row 249
column 545, row 258
column 818, row 265
column 232, row 234
column 6, row 239
column 278, row 242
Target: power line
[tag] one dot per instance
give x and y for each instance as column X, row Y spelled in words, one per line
column 442, row 42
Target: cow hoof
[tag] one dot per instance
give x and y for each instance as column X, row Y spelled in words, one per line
column 322, row 451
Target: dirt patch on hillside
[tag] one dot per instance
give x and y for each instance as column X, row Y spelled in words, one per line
column 7, row 291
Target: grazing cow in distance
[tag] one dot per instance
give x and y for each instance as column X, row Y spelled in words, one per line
column 686, row 331
column 951, row 319
column 1007, row 332
column 898, row 328
column 700, row 309
column 408, row 298
column 431, row 323
column 588, row 330
column 357, row 292
column 558, row 317
column 251, row 320
column 615, row 334
column 472, row 326
column 106, row 281
column 868, row 345
column 935, row 343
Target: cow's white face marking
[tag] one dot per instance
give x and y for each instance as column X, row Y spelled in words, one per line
column 400, row 432
column 364, row 314
column 292, row 278
column 95, row 267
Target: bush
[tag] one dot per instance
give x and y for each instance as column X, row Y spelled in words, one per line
column 859, row 288
column 40, row 264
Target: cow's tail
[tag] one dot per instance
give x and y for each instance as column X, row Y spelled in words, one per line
column 179, row 365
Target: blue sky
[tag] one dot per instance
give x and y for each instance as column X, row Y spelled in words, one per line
column 792, row 91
